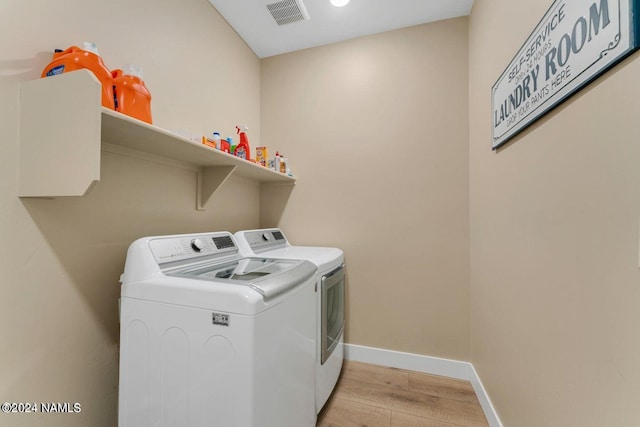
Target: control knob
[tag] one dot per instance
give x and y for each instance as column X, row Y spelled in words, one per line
column 197, row 245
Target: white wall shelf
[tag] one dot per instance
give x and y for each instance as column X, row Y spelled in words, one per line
column 61, row 137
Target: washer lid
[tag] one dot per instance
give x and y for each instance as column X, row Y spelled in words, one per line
column 269, row 277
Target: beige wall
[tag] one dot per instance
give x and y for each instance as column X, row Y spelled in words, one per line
column 60, row 260
column 376, row 131
column 394, row 131
column 555, row 284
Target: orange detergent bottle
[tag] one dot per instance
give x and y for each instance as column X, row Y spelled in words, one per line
column 242, row 149
column 131, row 95
column 74, row 58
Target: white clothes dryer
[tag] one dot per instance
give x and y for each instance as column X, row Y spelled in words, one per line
column 272, row 243
column 209, row 337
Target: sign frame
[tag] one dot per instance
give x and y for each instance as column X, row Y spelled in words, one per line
column 540, row 76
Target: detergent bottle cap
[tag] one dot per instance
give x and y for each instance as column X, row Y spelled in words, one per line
column 133, row 70
column 91, row 47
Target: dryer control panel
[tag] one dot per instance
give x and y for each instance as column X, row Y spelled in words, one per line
column 189, row 247
column 262, row 240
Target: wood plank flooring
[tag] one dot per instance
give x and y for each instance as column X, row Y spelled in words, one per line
column 377, row 396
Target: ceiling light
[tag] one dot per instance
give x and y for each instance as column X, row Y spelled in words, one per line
column 339, row 3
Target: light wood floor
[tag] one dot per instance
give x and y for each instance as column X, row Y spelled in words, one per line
column 377, row 396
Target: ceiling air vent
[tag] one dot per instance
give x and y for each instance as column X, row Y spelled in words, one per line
column 288, row 11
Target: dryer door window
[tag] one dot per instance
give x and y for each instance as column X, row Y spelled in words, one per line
column 332, row 312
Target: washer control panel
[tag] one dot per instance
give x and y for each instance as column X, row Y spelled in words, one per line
column 185, row 247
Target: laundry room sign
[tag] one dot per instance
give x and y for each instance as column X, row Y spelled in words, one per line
column 574, row 43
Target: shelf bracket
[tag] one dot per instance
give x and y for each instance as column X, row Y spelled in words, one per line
column 209, row 179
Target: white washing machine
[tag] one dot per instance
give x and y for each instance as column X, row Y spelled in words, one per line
column 209, row 337
column 272, row 243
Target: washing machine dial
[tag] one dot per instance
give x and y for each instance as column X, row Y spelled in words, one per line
column 197, row 245
column 266, row 237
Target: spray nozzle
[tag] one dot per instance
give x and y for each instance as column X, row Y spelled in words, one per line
column 242, row 128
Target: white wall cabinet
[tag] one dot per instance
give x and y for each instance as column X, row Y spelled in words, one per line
column 63, row 129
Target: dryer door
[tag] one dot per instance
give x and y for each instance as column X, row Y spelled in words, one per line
column 332, row 311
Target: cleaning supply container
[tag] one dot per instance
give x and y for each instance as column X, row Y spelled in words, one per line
column 262, row 156
column 242, row 149
column 216, row 139
column 74, row 58
column 131, row 95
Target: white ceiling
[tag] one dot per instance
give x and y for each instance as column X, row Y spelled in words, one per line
column 329, row 24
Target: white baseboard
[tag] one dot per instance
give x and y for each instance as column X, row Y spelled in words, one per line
column 483, row 397
column 412, row 362
column 428, row 365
